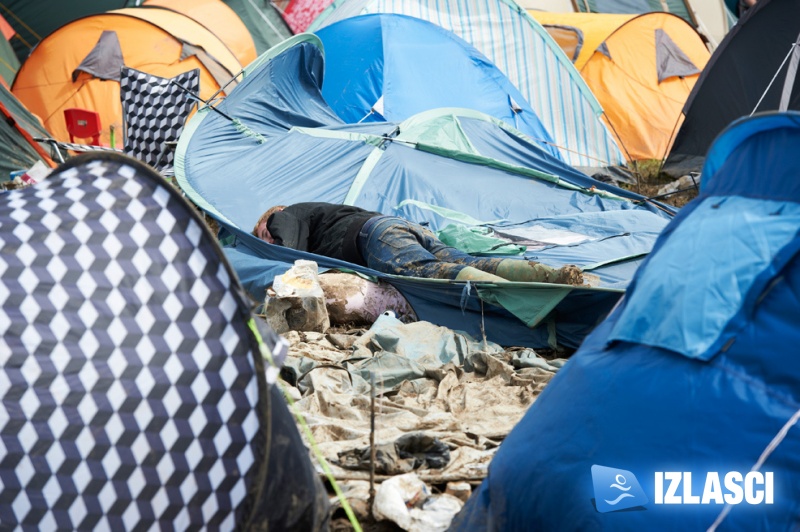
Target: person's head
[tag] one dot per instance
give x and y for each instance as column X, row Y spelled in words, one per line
column 260, row 230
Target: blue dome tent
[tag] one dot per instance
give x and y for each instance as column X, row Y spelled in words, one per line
column 388, row 67
column 695, row 372
column 523, row 50
column 274, row 140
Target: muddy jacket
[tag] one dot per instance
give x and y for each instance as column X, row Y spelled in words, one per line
column 322, row 228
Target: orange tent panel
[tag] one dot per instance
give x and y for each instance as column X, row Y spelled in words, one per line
column 618, row 60
column 220, row 19
column 151, row 40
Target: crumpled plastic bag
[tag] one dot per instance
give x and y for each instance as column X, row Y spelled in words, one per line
column 406, row 501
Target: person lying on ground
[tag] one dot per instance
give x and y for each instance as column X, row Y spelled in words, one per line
column 394, row 245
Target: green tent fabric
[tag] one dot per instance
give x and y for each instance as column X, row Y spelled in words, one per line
column 35, row 19
column 263, row 21
column 676, row 7
column 477, row 240
column 530, row 302
column 9, row 64
column 16, row 153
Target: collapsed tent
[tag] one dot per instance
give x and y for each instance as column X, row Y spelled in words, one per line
column 18, row 128
column 79, row 64
column 390, row 67
column 695, row 371
column 134, row 392
column 285, row 145
column 640, row 67
column 524, row 52
column 749, row 72
column 218, row 18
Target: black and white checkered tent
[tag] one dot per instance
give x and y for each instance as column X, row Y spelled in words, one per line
column 132, row 389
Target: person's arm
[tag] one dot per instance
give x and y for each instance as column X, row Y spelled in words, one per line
column 289, row 231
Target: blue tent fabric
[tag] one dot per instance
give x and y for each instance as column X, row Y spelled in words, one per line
column 285, row 145
column 523, row 50
column 410, row 65
column 629, row 402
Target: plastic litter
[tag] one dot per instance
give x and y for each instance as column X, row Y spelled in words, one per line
column 296, row 301
column 406, row 501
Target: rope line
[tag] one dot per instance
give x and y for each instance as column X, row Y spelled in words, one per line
column 348, row 510
column 779, row 437
column 763, row 95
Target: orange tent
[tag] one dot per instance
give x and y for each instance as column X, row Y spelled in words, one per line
column 640, row 67
column 78, row 64
column 220, row 19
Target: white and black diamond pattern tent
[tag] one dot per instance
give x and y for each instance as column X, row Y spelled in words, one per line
column 132, row 388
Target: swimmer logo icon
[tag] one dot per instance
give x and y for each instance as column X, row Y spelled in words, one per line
column 616, row 489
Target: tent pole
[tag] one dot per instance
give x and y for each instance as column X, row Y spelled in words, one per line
column 791, row 49
column 791, row 75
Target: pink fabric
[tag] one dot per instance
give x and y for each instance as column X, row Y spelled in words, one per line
column 299, row 14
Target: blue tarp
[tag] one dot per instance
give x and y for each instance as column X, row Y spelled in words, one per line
column 391, row 67
column 700, row 377
column 286, row 145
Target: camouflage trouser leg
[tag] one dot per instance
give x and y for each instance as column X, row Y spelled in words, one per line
column 400, row 247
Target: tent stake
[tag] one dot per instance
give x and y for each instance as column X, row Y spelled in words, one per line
column 372, row 442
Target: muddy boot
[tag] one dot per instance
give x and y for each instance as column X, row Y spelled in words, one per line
column 475, row 275
column 535, row 272
column 569, row 274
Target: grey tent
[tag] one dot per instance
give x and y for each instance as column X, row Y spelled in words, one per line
column 752, row 70
column 132, row 384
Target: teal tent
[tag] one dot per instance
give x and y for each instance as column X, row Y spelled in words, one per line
column 9, row 64
column 263, row 21
column 274, row 140
column 677, row 7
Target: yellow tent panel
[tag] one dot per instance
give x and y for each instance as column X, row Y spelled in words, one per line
column 158, row 41
column 640, row 67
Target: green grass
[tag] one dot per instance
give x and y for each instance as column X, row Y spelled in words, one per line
column 650, row 179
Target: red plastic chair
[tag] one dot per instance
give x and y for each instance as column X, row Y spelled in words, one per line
column 83, row 124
